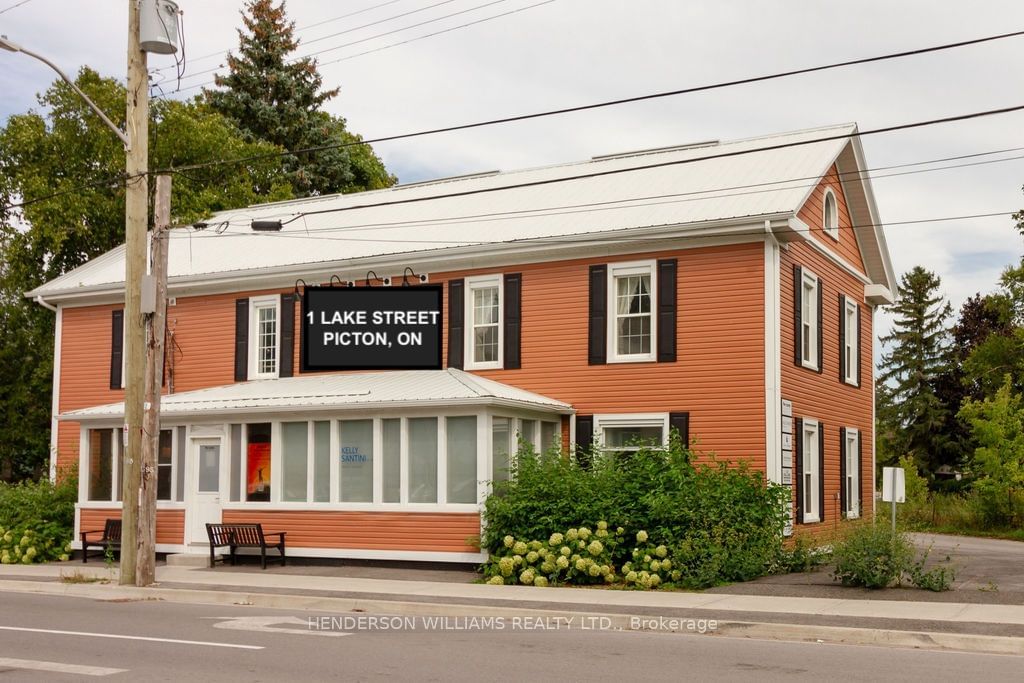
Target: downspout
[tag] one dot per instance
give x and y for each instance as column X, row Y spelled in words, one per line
column 42, row 302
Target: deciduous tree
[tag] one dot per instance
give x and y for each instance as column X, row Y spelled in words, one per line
column 67, row 169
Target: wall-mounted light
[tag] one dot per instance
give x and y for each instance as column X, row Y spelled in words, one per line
column 423, row 279
column 371, row 277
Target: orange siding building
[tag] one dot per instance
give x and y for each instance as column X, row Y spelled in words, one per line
column 744, row 321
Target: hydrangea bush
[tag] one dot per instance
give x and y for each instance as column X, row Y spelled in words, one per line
column 651, row 565
column 578, row 556
column 37, row 521
column 26, row 546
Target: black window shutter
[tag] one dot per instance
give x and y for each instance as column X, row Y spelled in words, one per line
column 681, row 423
column 513, row 321
column 860, row 355
column 844, row 502
column 842, row 338
column 821, row 328
column 241, row 340
column 584, row 438
column 456, row 323
column 287, row 367
column 798, row 466
column 116, row 348
column 821, row 471
column 798, row 342
column 667, row 287
column 598, row 328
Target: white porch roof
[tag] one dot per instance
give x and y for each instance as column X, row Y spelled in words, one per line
column 359, row 391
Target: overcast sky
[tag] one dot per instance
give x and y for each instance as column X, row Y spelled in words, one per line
column 571, row 52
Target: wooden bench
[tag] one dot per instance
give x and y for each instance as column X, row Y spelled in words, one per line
column 111, row 539
column 235, row 536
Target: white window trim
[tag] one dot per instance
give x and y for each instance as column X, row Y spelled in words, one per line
column 481, row 282
column 601, row 422
column 850, row 448
column 809, row 278
column 851, row 336
column 811, row 459
column 830, row 230
column 538, row 440
column 256, row 303
column 620, row 270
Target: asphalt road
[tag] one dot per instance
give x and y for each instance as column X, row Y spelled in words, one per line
column 43, row 638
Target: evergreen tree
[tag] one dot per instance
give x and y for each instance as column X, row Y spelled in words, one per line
column 276, row 98
column 911, row 415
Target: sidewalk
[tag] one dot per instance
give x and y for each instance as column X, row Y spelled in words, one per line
column 940, row 625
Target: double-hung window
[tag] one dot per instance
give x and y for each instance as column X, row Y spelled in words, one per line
column 632, row 323
column 810, row 461
column 809, row 320
column 264, row 336
column 484, row 334
column 851, row 342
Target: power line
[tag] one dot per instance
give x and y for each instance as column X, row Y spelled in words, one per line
column 15, row 6
column 662, row 164
column 621, row 234
column 219, row 53
column 654, row 200
column 437, row 33
column 363, row 40
column 182, row 171
column 641, row 98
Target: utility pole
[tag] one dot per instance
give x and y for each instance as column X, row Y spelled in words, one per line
column 136, row 222
column 145, row 569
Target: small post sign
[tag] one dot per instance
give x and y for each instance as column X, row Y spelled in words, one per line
column 371, row 328
column 894, row 488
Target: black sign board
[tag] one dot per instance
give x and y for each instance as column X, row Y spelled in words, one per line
column 371, row 328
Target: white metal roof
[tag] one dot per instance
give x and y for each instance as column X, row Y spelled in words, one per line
column 679, row 192
column 376, row 390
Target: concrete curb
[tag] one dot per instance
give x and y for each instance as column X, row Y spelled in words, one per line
column 962, row 642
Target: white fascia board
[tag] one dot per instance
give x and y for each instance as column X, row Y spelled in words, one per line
column 636, row 240
column 869, row 194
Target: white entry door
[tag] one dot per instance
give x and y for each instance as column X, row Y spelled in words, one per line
column 204, row 484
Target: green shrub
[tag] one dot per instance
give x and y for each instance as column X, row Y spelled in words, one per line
column 937, row 579
column 801, row 555
column 719, row 523
column 36, row 521
column 874, row 556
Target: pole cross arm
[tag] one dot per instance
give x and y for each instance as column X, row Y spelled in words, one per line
column 14, row 47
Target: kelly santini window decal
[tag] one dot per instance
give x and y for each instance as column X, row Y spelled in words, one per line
column 371, row 328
